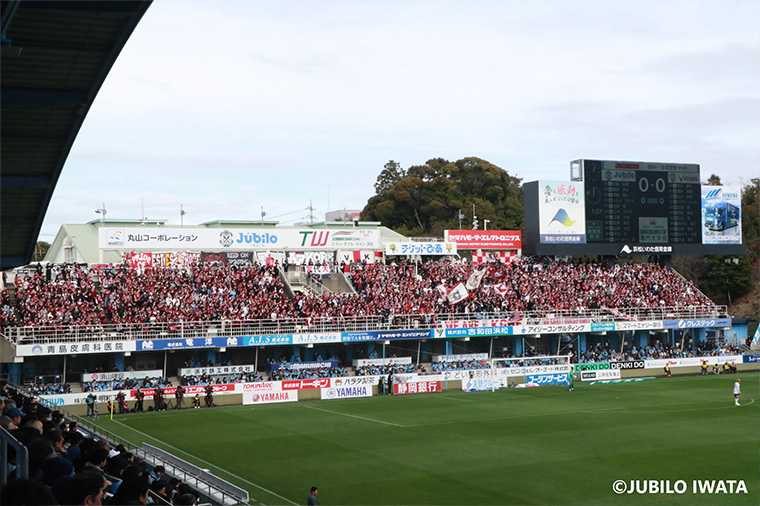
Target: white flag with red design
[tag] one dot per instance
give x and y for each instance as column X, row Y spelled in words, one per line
column 473, row 282
column 458, row 294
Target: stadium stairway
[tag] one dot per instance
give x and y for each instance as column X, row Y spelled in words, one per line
column 297, row 280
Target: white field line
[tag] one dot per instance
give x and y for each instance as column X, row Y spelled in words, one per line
column 354, row 416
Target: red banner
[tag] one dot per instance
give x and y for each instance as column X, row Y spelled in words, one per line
column 417, row 387
column 138, row 259
column 306, row 383
column 189, row 390
column 485, row 239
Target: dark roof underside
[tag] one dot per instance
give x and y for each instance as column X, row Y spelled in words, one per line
column 55, row 57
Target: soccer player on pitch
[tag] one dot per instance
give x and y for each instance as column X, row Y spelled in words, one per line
column 570, row 380
column 737, row 390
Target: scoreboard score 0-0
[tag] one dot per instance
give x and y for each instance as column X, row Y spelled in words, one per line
column 640, row 202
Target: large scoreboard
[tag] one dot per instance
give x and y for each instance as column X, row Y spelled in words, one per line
column 630, row 208
column 641, row 203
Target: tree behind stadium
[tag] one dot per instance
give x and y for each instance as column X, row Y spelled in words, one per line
column 425, row 200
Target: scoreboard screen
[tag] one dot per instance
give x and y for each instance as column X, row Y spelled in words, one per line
column 613, row 208
column 641, row 202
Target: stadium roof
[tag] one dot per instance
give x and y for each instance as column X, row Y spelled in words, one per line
column 55, row 57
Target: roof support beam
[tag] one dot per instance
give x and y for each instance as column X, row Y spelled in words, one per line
column 13, row 97
column 10, row 182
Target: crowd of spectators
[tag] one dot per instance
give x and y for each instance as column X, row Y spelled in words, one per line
column 49, row 389
column 121, row 295
column 58, row 295
column 104, row 386
column 66, row 466
column 203, row 292
column 7, row 312
column 517, row 286
column 656, row 351
column 125, row 384
column 246, row 377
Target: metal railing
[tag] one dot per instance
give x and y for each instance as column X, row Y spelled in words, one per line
column 200, row 479
column 237, row 328
column 22, row 457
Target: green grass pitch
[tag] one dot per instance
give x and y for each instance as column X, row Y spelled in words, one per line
column 513, row 446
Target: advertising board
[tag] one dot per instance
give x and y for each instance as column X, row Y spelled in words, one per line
column 559, row 378
column 346, row 392
column 562, row 215
column 600, row 375
column 141, row 239
column 255, row 397
column 485, row 239
column 74, row 348
column 416, row 387
column 421, row 248
column 721, row 215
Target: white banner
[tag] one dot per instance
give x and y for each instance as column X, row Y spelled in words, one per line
column 604, row 374
column 642, row 325
column 483, row 383
column 498, row 373
column 562, row 212
column 111, row 376
column 310, row 257
column 259, row 386
column 350, row 257
column 222, row 369
column 350, row 381
column 466, row 324
column 71, row 399
column 321, row 338
column 659, row 363
column 346, row 392
column 215, row 239
column 362, row 362
column 565, row 328
column 74, row 348
column 421, row 248
column 465, row 357
column 256, row 397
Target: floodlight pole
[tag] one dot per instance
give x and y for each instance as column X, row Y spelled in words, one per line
column 102, row 212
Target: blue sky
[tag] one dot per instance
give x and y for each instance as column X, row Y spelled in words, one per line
column 227, row 107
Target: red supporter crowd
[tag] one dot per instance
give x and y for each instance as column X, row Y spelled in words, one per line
column 75, row 295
